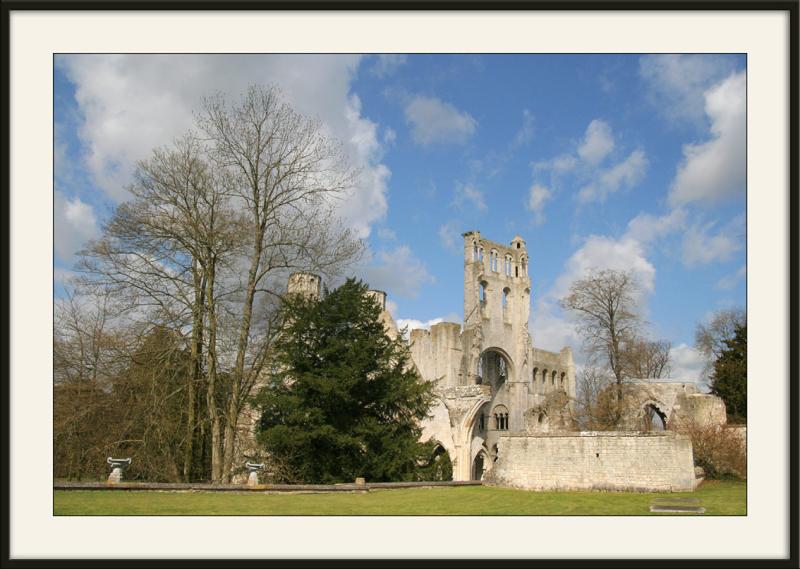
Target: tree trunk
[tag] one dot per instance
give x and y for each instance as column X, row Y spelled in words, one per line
column 234, row 403
column 211, row 371
column 189, row 458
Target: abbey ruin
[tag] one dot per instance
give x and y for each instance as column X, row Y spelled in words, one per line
column 504, row 407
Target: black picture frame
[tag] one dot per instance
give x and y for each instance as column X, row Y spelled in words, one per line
column 792, row 8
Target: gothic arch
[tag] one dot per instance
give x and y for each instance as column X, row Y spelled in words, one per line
column 495, row 367
column 480, row 464
column 653, row 416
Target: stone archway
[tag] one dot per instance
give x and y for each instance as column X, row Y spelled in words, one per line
column 480, row 465
column 495, row 367
column 653, row 418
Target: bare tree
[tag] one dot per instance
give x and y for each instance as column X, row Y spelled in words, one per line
column 217, row 222
column 119, row 389
column 604, row 302
column 286, row 174
column 590, row 413
column 161, row 251
column 89, row 350
column 710, row 338
column 646, row 359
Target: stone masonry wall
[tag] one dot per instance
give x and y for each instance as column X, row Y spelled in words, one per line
column 595, row 461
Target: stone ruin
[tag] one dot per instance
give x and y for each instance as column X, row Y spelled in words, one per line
column 504, row 405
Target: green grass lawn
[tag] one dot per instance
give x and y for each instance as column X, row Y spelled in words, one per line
column 718, row 498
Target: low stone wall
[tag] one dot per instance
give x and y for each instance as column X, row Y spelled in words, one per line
column 621, row 461
column 201, row 487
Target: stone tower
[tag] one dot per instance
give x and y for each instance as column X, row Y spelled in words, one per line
column 497, row 292
column 306, row 284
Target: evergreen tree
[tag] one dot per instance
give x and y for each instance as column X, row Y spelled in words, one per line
column 729, row 380
column 342, row 399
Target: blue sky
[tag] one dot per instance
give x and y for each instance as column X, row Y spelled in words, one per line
column 621, row 161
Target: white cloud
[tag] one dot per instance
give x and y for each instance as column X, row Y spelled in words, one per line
column 450, row 237
column 701, row 247
column 387, row 234
column 585, row 165
column 525, row 133
column 553, row 330
column 686, row 363
column 597, row 143
column 435, row 121
column 468, row 196
column 675, row 83
column 550, row 326
column 558, row 329
column 387, row 63
column 603, row 252
column 74, row 224
column 413, row 324
column 730, row 281
column 538, row 195
column 646, row 227
column 561, row 164
column 624, row 175
column 715, row 170
column 398, row 272
column 133, row 103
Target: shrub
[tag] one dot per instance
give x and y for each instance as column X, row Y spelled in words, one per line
column 719, row 451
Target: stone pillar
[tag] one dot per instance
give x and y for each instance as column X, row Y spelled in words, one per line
column 117, row 466
column 462, row 469
column 518, row 404
column 252, row 479
column 116, row 476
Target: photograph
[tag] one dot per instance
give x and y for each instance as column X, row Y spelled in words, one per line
column 356, row 285
column 400, row 284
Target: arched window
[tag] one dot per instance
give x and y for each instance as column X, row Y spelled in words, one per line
column 501, row 418
column 535, row 373
column 563, row 381
column 493, row 261
column 524, row 266
column 480, row 254
column 544, row 377
column 508, row 265
column 654, row 419
column 554, row 377
column 482, row 291
column 506, row 292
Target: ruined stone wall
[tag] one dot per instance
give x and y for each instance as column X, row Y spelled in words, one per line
column 544, row 363
column 595, row 461
column 680, row 404
column 437, row 353
column 701, row 410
